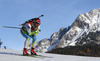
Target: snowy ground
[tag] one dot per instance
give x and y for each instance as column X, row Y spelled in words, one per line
column 9, row 55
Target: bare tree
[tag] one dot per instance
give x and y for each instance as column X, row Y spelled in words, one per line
column 0, row 43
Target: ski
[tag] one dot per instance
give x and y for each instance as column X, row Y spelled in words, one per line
column 37, row 56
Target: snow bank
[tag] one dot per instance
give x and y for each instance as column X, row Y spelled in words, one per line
column 8, row 55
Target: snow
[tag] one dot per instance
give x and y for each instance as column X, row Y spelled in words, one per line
column 53, row 45
column 5, row 55
column 85, row 17
column 93, row 19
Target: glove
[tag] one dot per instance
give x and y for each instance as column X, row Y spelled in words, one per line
column 30, row 33
column 35, row 32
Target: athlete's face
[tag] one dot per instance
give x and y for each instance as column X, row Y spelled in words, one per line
column 36, row 25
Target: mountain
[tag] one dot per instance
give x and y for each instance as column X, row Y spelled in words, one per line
column 75, row 34
column 92, row 38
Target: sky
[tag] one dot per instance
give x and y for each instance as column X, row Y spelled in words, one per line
column 57, row 14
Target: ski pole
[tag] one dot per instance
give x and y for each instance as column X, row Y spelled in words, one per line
column 11, row 27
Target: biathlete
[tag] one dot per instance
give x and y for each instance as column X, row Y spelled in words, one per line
column 29, row 30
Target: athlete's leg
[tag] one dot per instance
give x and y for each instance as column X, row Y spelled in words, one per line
column 26, row 43
column 33, row 43
column 34, row 40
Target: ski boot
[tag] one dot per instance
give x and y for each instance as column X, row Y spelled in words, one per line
column 33, row 52
column 25, row 51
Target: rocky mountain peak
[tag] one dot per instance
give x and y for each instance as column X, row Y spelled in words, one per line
column 84, row 23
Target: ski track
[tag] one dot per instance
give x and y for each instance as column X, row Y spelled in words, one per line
column 11, row 55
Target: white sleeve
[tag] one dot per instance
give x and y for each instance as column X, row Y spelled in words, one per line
column 28, row 27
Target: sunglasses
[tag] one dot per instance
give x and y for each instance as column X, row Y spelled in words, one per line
column 37, row 23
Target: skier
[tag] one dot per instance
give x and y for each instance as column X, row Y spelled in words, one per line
column 29, row 30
